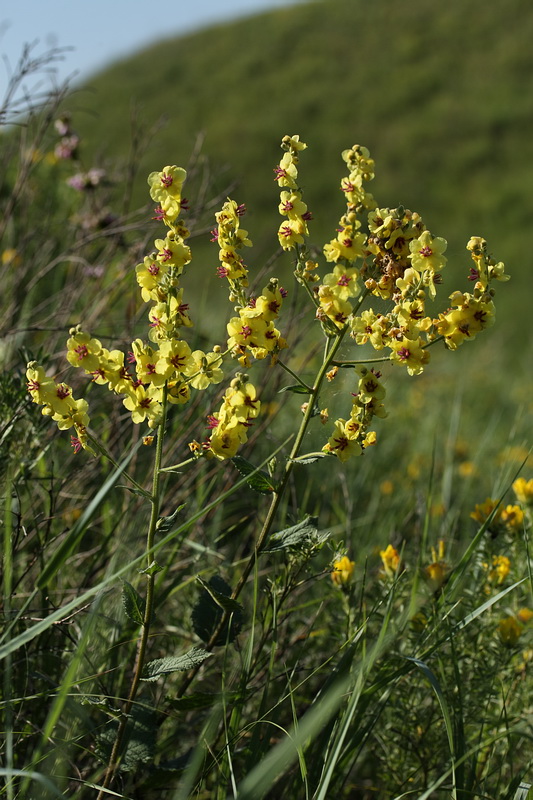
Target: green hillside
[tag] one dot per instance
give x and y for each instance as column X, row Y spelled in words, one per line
column 438, row 92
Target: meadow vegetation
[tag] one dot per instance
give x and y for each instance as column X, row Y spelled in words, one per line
column 267, row 501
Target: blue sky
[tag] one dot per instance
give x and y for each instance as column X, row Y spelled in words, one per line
column 102, row 31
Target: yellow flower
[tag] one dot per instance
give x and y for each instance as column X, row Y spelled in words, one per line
column 391, row 560
column 483, row 510
column 501, row 567
column 523, row 490
column 343, row 442
column 512, row 517
column 509, row 630
column 342, row 571
column 525, row 615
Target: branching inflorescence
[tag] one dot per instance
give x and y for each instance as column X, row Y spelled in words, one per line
column 397, row 261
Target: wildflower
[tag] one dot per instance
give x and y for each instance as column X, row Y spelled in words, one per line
column 391, row 560
column 165, row 188
column 343, row 442
column 343, row 281
column 510, row 631
column 82, row 350
column 411, row 353
column 144, row 404
column 206, row 367
column 525, row 615
column 426, row 256
column 512, row 517
column 342, row 571
column 40, row 386
column 501, row 567
column 483, row 511
column 524, row 491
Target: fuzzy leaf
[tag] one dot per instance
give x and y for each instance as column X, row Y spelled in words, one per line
column 163, row 666
column 134, row 604
column 139, row 739
column 208, row 611
column 309, row 459
column 302, row 536
column 259, row 481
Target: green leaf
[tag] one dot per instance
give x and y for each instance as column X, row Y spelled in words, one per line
column 138, row 745
column 296, row 388
column 310, row 458
column 302, row 536
column 259, row 480
column 153, row 569
column 165, row 524
column 214, row 600
column 164, row 666
column 134, row 604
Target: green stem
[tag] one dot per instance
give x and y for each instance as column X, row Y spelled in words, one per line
column 148, row 612
column 276, row 500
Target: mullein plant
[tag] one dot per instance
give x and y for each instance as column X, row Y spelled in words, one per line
column 382, row 258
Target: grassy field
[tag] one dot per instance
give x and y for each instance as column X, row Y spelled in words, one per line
column 209, row 599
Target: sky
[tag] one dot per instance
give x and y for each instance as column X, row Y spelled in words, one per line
column 103, row 31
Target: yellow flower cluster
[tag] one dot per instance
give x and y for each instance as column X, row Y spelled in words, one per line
column 350, row 437
column 58, row 402
column 509, row 518
column 253, row 332
column 167, row 369
column 240, row 405
column 293, row 229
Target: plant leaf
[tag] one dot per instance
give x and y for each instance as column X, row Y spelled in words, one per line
column 296, row 388
column 163, row 666
column 259, row 480
column 302, row 536
column 134, row 605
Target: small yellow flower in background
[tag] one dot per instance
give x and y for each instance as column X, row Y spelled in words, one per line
column 509, row 630
column 525, row 615
column 483, row 510
column 523, row 490
column 437, row 571
column 391, row 560
column 11, row 258
column 342, row 571
column 386, row 487
column 501, row 567
column 467, row 469
column 512, row 517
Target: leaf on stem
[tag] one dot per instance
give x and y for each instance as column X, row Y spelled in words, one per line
column 259, row 480
column 304, row 536
column 134, row 605
column 163, row 666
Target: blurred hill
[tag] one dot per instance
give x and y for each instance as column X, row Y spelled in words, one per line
column 440, row 93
